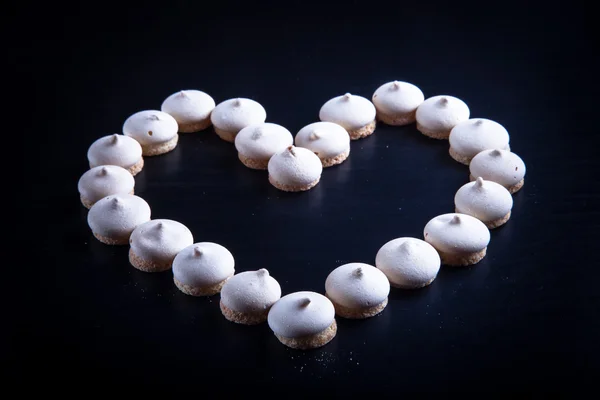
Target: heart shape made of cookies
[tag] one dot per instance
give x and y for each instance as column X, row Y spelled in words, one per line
column 353, row 290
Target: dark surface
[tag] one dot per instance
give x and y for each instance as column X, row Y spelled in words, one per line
column 523, row 318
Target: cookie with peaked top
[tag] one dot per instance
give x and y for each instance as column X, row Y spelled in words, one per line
column 303, row 320
column 437, row 115
column 459, row 239
column 329, row 141
column 256, row 144
column 354, row 113
column 397, row 102
column 357, row 290
column 231, row 116
column 190, row 108
column 500, row 166
column 488, row 201
column 468, row 138
column 247, row 297
column 295, row 169
column 155, row 244
column 408, row 263
column 102, row 181
column 202, row 268
column 119, row 150
column 156, row 131
column 114, row 218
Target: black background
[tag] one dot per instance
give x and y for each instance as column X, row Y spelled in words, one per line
column 525, row 318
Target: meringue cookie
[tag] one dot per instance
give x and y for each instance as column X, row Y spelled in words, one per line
column 470, row 137
column 155, row 130
column 119, row 150
column 500, row 166
column 256, row 144
column 354, row 113
column 231, row 116
column 303, row 320
column 155, row 244
column 488, row 201
column 329, row 141
column 408, row 263
column 247, row 297
column 396, row 102
column 190, row 108
column 295, row 169
column 202, row 268
column 437, row 115
column 103, row 181
column 459, row 238
column 357, row 290
column 113, row 218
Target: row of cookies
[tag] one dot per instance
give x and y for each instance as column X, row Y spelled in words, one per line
column 353, row 290
column 346, row 117
column 299, row 320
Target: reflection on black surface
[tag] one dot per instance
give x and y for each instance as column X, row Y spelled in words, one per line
column 165, row 166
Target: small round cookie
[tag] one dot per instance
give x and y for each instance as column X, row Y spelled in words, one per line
column 231, row 116
column 468, row 138
column 460, row 239
column 202, row 269
column 437, row 115
column 103, row 181
column 247, row 297
column 408, row 263
column 113, row 218
column 256, row 144
column 397, row 102
column 190, row 108
column 303, row 320
column 155, row 244
column 295, row 169
column 329, row 141
column 119, row 150
column 500, row 166
column 354, row 113
column 488, row 201
column 357, row 290
column 156, row 131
